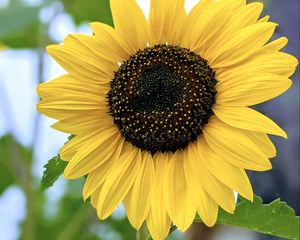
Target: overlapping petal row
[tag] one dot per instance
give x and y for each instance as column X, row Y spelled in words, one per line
column 170, row 187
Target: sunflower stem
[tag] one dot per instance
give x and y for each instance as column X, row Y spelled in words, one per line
column 143, row 233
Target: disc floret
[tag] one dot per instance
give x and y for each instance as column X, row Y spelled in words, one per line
column 161, row 98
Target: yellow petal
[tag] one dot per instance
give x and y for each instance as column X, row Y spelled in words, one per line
column 177, row 200
column 84, row 124
column 264, row 143
column 206, row 207
column 241, row 17
column 130, row 23
column 95, row 196
column 195, row 13
column 264, row 19
column 158, row 221
column 83, row 65
column 240, row 3
column 60, row 107
column 277, row 44
column 111, row 42
column 137, row 201
column 68, row 84
column 242, row 44
column 232, row 176
column 164, row 16
column 119, row 181
column 206, row 26
column 97, row 177
column 234, row 146
column 248, row 119
column 89, row 45
column 244, row 16
column 73, row 102
column 252, row 89
column 71, row 147
column 94, row 152
column 220, row 193
column 264, row 61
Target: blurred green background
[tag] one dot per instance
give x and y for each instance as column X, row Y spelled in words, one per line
column 27, row 141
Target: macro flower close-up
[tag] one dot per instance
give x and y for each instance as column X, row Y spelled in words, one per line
column 149, row 120
column 161, row 109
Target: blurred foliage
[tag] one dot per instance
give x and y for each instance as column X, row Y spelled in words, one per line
column 7, row 177
column 16, row 17
column 95, row 10
column 70, row 218
column 24, row 38
column 10, row 169
column 19, row 25
column 2, row 46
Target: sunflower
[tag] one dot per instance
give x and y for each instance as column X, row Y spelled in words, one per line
column 161, row 109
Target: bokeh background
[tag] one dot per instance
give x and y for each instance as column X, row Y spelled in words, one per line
column 27, row 141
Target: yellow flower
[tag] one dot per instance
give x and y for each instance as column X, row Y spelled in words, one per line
column 160, row 108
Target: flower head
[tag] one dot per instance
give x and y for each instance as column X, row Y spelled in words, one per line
column 160, row 109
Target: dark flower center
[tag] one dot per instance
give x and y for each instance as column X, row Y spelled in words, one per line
column 161, row 98
column 160, row 88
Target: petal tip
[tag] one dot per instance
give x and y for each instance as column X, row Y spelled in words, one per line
column 258, row 4
column 101, row 215
column 39, row 89
column 284, row 134
column 84, row 197
column 268, row 166
column 39, row 107
column 285, row 40
column 85, row 193
column 249, row 196
column 210, row 223
column 69, row 174
column 135, row 225
column 51, row 48
column 209, row 220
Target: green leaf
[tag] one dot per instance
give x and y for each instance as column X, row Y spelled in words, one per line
column 19, row 26
column 93, row 10
column 275, row 218
column 54, row 168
